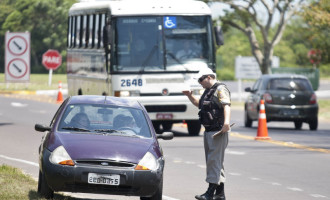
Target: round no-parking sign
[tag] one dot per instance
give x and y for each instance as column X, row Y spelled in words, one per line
column 17, row 57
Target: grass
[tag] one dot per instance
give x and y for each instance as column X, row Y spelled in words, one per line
column 14, row 184
column 37, row 82
column 324, row 109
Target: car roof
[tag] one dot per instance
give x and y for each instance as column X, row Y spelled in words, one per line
column 271, row 76
column 105, row 100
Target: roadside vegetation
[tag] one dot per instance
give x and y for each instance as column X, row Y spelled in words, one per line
column 14, row 184
column 37, row 82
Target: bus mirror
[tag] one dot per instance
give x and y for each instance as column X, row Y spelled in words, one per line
column 107, row 37
column 218, row 35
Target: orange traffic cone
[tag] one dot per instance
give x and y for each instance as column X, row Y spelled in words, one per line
column 59, row 94
column 262, row 133
column 184, row 124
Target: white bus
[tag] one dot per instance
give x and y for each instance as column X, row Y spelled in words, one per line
column 149, row 50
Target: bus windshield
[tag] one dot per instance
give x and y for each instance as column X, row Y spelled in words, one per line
column 166, row 43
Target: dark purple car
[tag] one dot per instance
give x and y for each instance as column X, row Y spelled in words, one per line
column 101, row 144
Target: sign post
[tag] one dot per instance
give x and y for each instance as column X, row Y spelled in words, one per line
column 51, row 59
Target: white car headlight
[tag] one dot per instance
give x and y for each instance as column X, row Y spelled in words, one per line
column 148, row 162
column 61, row 157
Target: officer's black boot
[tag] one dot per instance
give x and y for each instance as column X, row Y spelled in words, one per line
column 220, row 192
column 208, row 195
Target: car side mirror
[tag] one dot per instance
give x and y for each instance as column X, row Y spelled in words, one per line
column 218, row 36
column 41, row 128
column 165, row 136
column 248, row 89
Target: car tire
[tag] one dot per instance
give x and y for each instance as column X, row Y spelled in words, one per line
column 313, row 124
column 158, row 194
column 156, row 126
column 167, row 126
column 194, row 127
column 43, row 189
column 247, row 120
column 298, row 125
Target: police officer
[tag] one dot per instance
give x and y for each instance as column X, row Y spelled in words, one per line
column 214, row 114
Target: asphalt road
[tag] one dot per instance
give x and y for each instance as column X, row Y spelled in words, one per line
column 293, row 165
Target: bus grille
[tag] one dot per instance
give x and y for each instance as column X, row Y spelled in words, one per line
column 166, row 108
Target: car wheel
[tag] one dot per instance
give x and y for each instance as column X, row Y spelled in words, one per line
column 313, row 124
column 194, row 127
column 156, row 125
column 247, row 120
column 298, row 125
column 167, row 126
column 158, row 195
column 43, row 189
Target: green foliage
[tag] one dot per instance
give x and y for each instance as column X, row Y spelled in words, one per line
column 45, row 20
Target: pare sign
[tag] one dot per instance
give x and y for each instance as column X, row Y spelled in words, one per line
column 51, row 59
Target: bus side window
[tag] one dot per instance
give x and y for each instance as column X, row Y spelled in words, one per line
column 78, row 25
column 81, row 32
column 93, row 27
column 74, row 32
column 90, row 31
column 101, row 25
column 87, row 31
column 96, row 31
column 69, row 33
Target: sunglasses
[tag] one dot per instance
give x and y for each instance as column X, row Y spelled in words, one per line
column 202, row 78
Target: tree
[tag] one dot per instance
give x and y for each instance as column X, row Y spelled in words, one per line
column 45, row 20
column 251, row 16
column 317, row 16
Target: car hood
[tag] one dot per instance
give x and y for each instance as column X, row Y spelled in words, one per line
column 102, row 147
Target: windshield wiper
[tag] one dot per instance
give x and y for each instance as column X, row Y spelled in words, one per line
column 145, row 62
column 76, row 129
column 108, row 131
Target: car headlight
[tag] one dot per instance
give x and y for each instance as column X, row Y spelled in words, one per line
column 61, row 157
column 148, row 162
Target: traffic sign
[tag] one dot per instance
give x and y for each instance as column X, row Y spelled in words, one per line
column 51, row 59
column 17, row 56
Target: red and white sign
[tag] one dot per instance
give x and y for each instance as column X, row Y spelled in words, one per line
column 17, row 56
column 52, row 59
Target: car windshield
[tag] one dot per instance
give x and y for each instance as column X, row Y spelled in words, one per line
column 106, row 120
column 289, row 84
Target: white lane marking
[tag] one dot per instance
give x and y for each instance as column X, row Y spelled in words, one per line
column 19, row 105
column 255, row 179
column 294, row 189
column 168, row 198
column 276, row 184
column 202, row 166
column 20, row 160
column 189, row 163
column 318, row 196
column 235, row 152
column 235, row 174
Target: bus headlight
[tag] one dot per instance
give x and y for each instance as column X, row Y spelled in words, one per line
column 198, row 92
column 126, row 93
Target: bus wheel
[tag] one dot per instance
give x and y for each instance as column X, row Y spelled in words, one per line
column 194, row 127
column 79, row 92
column 167, row 126
column 156, row 125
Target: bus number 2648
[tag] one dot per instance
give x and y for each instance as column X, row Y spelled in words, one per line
column 131, row 82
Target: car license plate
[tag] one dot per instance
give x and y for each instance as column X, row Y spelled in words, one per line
column 290, row 112
column 104, row 179
column 166, row 116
